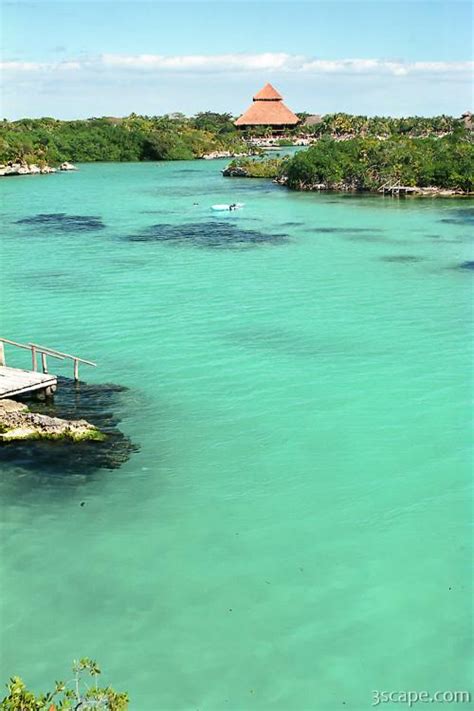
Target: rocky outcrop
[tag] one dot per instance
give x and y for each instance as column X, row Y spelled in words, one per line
column 236, row 171
column 24, row 169
column 440, row 192
column 18, row 423
column 67, row 166
column 32, row 169
column 415, row 191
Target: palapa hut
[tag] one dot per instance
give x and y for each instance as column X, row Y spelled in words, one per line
column 468, row 120
column 268, row 109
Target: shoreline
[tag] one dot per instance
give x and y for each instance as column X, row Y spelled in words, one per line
column 19, row 423
column 15, row 168
column 403, row 191
column 20, row 169
column 413, row 190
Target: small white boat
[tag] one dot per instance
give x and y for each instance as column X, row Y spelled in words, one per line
column 229, row 208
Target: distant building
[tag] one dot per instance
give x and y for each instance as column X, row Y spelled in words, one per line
column 468, row 120
column 268, row 109
column 313, row 120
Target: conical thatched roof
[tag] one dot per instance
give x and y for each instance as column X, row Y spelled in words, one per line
column 268, row 93
column 267, row 109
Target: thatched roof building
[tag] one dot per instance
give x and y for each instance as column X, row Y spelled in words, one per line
column 313, row 120
column 268, row 109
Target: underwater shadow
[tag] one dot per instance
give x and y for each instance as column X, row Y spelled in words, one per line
column 460, row 216
column 466, row 266
column 211, row 234
column 400, row 258
column 102, row 406
column 61, row 222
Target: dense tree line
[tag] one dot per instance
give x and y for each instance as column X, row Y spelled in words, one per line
column 344, row 125
column 135, row 138
column 367, row 163
column 176, row 137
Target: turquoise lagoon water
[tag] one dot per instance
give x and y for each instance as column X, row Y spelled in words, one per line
column 293, row 531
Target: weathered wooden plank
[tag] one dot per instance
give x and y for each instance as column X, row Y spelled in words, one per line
column 14, row 381
column 14, row 343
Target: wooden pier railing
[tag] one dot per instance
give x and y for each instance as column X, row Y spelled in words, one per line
column 43, row 351
column 395, row 188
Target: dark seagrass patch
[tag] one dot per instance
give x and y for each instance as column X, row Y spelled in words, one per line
column 466, row 266
column 460, row 216
column 400, row 258
column 62, row 222
column 212, row 234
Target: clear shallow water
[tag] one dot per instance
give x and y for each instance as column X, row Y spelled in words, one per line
column 293, row 532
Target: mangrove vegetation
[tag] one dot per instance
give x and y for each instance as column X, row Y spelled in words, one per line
column 49, row 141
column 365, row 164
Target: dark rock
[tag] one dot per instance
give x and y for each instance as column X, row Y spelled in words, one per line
column 235, row 172
column 18, row 423
column 98, row 404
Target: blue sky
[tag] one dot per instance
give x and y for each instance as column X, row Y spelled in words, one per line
column 76, row 58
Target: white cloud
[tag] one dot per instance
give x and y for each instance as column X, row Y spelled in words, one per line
column 239, row 63
column 34, row 67
column 199, row 63
column 22, row 66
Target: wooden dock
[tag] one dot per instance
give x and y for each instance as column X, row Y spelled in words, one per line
column 14, row 381
column 395, row 189
column 18, row 381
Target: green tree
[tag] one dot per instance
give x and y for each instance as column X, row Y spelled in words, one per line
column 367, row 163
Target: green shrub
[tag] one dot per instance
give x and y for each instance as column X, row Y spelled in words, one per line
column 367, row 163
column 77, row 695
column 133, row 138
column 260, row 168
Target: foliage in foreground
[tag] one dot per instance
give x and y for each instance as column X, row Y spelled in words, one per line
column 75, row 695
column 367, row 163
